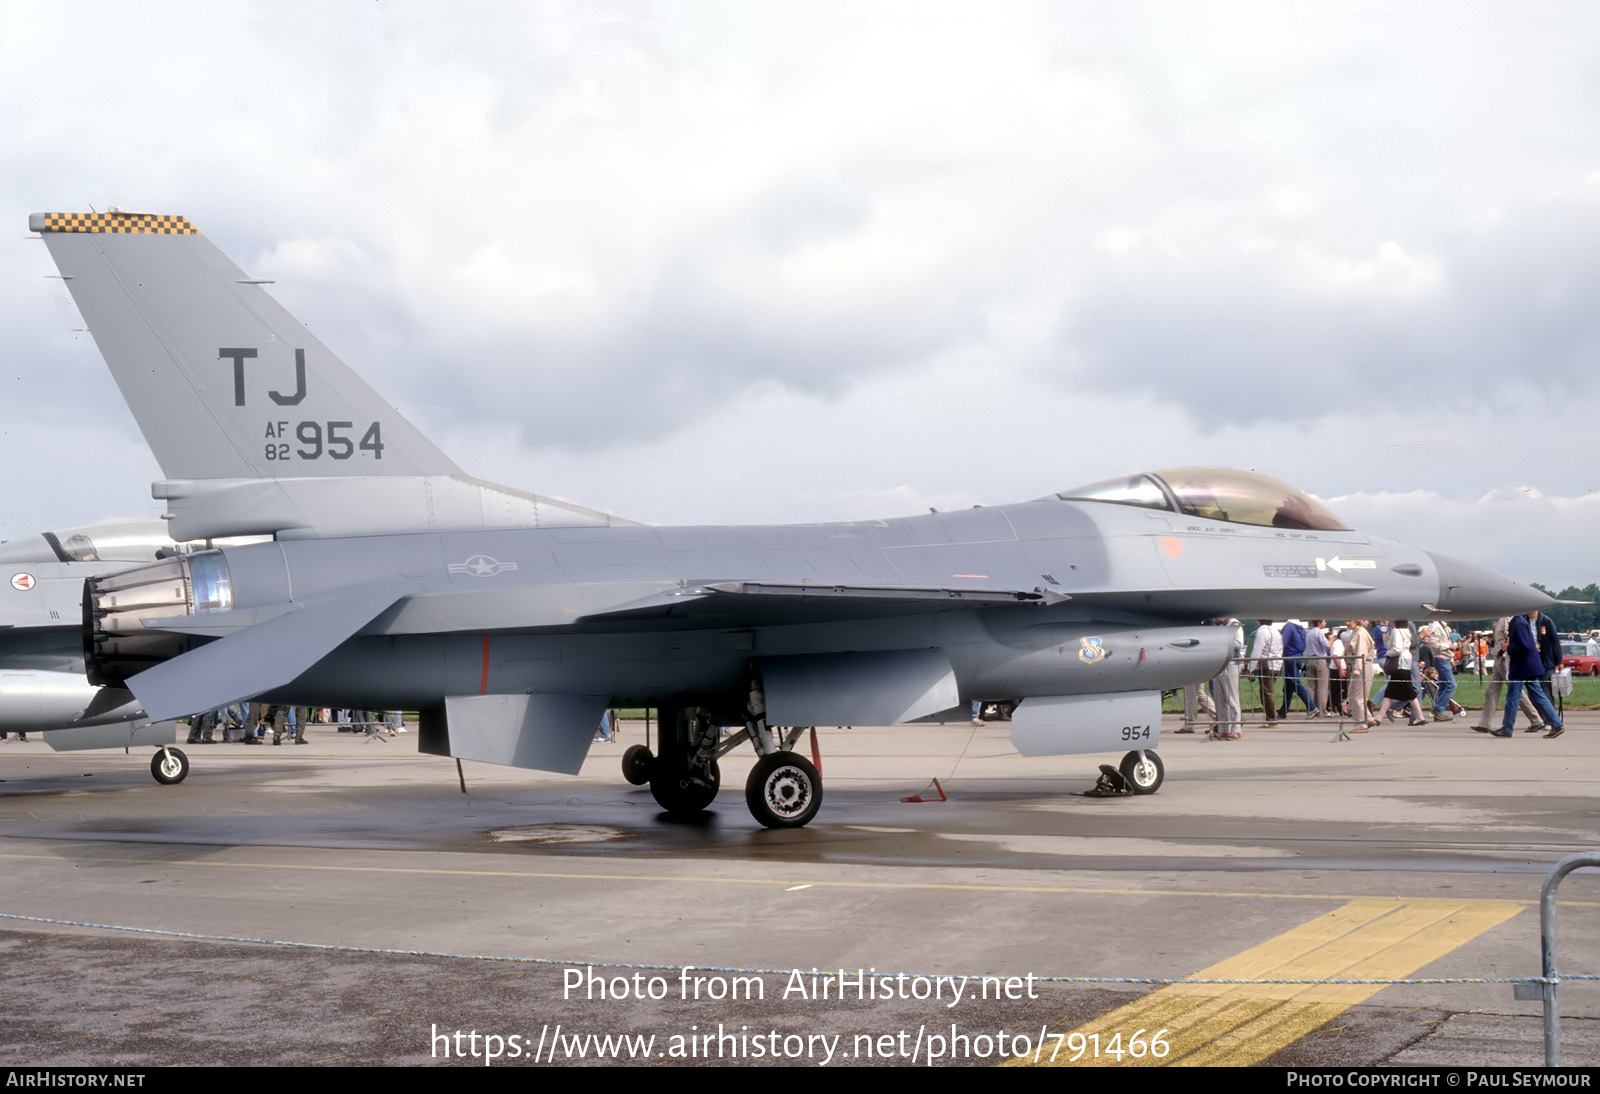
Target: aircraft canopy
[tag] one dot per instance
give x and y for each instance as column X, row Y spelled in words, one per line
column 1215, row 493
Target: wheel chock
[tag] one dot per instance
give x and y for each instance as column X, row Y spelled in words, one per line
column 1111, row 784
column 920, row 798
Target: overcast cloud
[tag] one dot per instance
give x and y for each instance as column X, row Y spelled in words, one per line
column 782, row 262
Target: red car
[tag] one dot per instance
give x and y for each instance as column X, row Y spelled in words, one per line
column 1575, row 657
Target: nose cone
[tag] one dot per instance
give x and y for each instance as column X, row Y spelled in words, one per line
column 1475, row 593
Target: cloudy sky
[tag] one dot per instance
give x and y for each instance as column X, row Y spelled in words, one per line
column 804, row 261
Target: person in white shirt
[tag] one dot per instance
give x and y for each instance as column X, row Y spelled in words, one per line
column 1399, row 692
column 1266, row 657
column 1338, row 672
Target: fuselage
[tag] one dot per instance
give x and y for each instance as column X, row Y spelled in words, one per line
column 1118, row 595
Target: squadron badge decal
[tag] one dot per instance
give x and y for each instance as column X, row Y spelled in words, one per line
column 1091, row 650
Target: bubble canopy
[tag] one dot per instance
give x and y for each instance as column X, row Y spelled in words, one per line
column 1215, row 493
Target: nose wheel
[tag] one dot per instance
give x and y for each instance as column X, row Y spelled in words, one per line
column 1140, row 772
column 169, row 765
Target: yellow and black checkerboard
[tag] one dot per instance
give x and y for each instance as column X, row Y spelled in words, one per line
column 121, row 223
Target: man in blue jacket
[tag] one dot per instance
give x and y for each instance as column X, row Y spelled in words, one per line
column 1544, row 630
column 1526, row 668
column 1294, row 651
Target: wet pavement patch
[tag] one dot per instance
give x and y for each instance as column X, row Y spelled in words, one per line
column 560, row 833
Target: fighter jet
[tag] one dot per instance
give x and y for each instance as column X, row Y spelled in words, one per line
column 510, row 621
column 43, row 685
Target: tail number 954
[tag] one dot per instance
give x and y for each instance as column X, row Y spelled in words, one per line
column 315, row 440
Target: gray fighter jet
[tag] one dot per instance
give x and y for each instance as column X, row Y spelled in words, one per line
column 511, row 621
column 43, row 685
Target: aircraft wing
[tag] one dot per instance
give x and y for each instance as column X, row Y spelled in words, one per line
column 258, row 658
column 754, row 603
column 749, row 603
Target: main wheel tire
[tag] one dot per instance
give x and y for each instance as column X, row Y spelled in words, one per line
column 681, row 795
column 637, row 763
column 169, row 766
column 784, row 790
column 1143, row 772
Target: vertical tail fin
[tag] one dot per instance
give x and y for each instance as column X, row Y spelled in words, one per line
column 258, row 427
column 223, row 381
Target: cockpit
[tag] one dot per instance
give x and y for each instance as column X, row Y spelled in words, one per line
column 1215, row 493
column 109, row 541
column 112, row 541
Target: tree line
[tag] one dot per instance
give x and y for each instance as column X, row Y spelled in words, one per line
column 1574, row 617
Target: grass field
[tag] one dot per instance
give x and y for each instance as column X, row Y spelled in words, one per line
column 1469, row 693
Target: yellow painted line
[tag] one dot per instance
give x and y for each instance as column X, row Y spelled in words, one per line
column 1222, row 1025
column 551, row 875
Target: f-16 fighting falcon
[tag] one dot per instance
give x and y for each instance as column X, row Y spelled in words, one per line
column 511, row 621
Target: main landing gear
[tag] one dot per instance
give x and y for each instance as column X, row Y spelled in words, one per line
column 636, row 764
column 684, row 778
column 784, row 789
column 1140, row 772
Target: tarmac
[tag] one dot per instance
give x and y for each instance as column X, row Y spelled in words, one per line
column 346, row 903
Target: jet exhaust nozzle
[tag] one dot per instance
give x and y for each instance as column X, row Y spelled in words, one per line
column 117, row 642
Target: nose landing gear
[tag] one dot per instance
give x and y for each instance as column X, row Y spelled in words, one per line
column 169, row 765
column 1141, row 772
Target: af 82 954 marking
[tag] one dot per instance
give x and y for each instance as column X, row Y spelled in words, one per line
column 319, row 439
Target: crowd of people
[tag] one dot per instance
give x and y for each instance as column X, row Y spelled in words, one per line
column 251, row 723
column 1332, row 670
